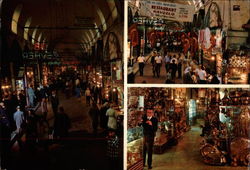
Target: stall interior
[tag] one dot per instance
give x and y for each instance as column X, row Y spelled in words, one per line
column 169, row 108
column 222, row 114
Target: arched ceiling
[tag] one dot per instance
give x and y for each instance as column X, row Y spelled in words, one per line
column 64, row 24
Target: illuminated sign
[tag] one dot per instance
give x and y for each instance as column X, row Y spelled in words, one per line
column 142, row 20
column 40, row 55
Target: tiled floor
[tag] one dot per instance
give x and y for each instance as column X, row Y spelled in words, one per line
column 185, row 155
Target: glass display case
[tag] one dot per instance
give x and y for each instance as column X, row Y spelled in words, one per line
column 134, row 132
column 135, row 148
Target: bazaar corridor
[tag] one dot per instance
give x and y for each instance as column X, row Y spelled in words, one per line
column 186, row 154
column 76, row 152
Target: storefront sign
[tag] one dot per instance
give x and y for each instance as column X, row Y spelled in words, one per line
column 147, row 21
column 39, row 55
column 170, row 11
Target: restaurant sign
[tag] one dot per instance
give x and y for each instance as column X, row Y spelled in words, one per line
column 165, row 10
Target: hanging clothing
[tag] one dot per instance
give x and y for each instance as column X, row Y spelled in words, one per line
column 207, row 36
column 218, row 38
column 201, row 36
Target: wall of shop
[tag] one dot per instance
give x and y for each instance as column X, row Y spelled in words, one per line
column 234, row 14
column 118, row 30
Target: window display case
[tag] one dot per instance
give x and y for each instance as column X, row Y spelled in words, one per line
column 134, row 133
column 135, row 148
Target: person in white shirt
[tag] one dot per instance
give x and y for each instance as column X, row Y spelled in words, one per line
column 158, row 61
column 141, row 61
column 202, row 75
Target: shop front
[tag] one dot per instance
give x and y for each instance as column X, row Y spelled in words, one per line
column 170, row 108
column 221, row 114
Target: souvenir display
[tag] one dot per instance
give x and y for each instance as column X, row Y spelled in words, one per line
column 226, row 130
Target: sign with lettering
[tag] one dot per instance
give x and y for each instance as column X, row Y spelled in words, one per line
column 169, row 11
column 39, row 55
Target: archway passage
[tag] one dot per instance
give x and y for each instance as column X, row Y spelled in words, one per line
column 75, row 23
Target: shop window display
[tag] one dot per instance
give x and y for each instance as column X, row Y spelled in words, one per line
column 227, row 122
column 170, row 110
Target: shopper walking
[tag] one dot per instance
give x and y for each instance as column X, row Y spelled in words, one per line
column 141, row 61
column 150, row 124
column 174, row 69
column 153, row 64
column 158, row 61
column 31, row 95
column 88, row 96
column 20, row 123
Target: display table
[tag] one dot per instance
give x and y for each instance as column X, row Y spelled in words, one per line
column 160, row 143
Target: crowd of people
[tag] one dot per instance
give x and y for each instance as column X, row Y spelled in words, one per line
column 21, row 126
column 178, row 69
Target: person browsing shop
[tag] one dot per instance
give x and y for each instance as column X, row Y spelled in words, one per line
column 150, row 124
column 141, row 61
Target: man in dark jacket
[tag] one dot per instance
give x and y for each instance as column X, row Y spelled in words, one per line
column 149, row 123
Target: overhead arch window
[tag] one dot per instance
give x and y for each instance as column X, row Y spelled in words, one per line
column 97, row 31
column 86, row 39
column 102, row 18
column 92, row 35
column 89, row 39
column 34, row 36
column 15, row 18
column 40, row 37
column 26, row 30
column 113, row 9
